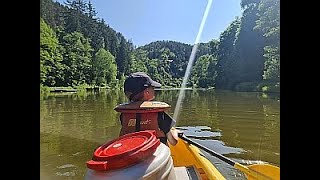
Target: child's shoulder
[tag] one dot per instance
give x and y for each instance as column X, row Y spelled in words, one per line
column 143, row 105
column 154, row 104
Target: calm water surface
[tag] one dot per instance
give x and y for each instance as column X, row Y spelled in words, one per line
column 244, row 126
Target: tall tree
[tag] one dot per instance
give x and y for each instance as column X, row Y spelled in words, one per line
column 51, row 68
column 212, row 71
column 123, row 57
column 77, row 58
column 91, row 10
column 139, row 61
column 269, row 24
column 74, row 15
column 47, row 12
column 214, row 45
column 226, row 65
column 199, row 71
column 204, row 71
column 105, row 68
column 249, row 47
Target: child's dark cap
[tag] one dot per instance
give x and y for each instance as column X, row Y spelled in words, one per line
column 137, row 82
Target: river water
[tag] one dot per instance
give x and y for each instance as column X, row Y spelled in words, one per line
column 244, row 126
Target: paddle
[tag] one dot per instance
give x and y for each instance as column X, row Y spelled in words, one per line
column 256, row 171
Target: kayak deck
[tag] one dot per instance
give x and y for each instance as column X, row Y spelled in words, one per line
column 187, row 173
column 189, row 160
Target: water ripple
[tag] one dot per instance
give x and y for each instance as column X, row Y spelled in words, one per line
column 198, row 131
column 66, row 166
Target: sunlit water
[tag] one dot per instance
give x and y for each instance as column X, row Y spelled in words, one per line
column 242, row 126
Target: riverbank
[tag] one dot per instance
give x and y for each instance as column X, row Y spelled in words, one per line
column 266, row 87
column 244, row 87
column 46, row 89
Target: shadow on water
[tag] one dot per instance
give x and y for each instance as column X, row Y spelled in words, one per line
column 204, row 136
column 207, row 138
column 199, row 132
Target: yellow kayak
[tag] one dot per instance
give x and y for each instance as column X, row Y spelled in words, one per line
column 140, row 155
column 187, row 157
column 186, row 154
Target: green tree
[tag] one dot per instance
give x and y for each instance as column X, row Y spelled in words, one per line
column 226, row 65
column 272, row 64
column 91, row 10
column 249, row 46
column 77, row 58
column 139, row 59
column 51, row 68
column 123, row 57
column 46, row 12
column 164, row 65
column 269, row 24
column 212, row 71
column 105, row 68
column 73, row 16
column 204, row 72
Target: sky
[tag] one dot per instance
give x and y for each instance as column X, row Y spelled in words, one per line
column 146, row 21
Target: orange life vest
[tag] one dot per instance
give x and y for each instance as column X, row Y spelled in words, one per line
column 141, row 115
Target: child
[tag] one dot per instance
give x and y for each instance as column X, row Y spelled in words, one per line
column 141, row 113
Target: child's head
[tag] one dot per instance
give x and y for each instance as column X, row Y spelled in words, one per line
column 140, row 87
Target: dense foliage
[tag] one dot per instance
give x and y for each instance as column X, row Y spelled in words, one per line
column 78, row 48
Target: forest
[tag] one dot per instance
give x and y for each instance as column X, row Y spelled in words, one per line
column 79, row 49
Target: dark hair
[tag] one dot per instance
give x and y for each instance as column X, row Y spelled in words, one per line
column 137, row 97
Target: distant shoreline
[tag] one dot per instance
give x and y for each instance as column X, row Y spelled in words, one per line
column 75, row 90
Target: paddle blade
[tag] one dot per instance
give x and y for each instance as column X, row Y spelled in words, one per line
column 268, row 171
